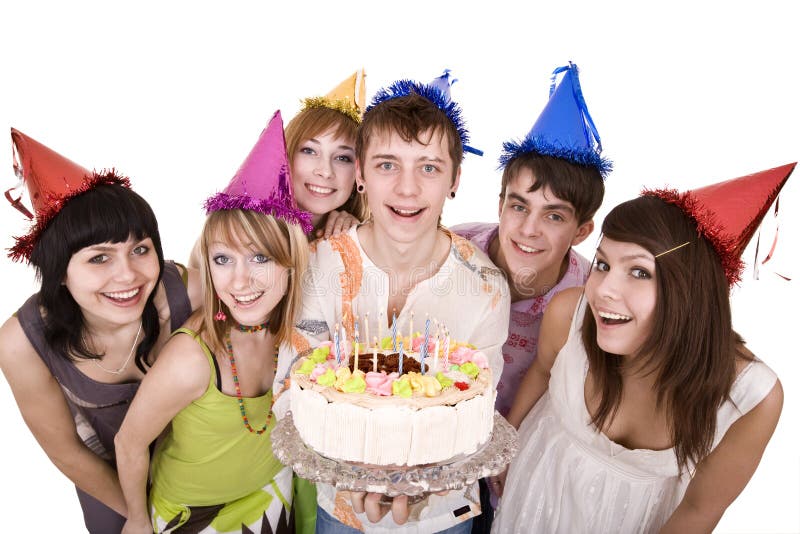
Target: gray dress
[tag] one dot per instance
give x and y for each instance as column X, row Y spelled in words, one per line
column 98, row 408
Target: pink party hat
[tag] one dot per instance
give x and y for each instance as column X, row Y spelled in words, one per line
column 263, row 182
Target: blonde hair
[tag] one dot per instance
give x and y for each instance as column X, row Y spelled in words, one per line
column 314, row 121
column 284, row 243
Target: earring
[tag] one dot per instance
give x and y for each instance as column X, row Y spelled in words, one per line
column 452, row 194
column 220, row 315
column 360, row 188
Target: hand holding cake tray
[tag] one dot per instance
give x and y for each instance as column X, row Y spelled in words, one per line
column 380, row 418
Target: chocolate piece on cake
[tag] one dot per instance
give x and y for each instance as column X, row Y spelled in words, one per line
column 387, row 362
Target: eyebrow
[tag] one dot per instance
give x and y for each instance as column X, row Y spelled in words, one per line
column 553, row 206
column 340, row 147
column 101, row 248
column 629, row 257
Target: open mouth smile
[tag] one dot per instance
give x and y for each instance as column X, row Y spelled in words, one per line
column 246, row 300
column 123, row 297
column 320, row 190
column 609, row 318
column 402, row 212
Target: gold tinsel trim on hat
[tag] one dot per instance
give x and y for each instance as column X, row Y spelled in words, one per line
column 340, row 104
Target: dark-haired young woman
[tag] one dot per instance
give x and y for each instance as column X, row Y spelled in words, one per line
column 650, row 414
column 75, row 352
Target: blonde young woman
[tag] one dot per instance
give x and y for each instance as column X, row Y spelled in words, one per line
column 214, row 470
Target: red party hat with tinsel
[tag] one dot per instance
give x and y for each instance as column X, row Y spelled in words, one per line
column 263, row 182
column 728, row 213
column 52, row 180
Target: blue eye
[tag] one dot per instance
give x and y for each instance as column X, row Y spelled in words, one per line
column 518, row 208
column 556, row 217
column 344, row 159
column 386, row 166
column 221, row 259
column 601, row 266
column 261, row 258
column 307, row 150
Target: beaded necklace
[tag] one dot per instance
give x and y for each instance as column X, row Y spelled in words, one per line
column 250, row 329
column 229, row 348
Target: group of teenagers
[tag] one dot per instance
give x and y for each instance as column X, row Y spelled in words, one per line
column 154, row 386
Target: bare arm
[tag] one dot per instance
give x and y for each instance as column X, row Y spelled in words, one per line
column 44, row 409
column 552, row 337
column 723, row 474
column 180, row 375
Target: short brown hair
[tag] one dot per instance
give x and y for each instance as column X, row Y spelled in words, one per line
column 581, row 185
column 312, row 122
column 283, row 243
column 692, row 349
column 410, row 117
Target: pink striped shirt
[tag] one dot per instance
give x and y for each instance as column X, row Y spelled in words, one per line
column 519, row 350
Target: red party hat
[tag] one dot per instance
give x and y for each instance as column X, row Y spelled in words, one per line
column 52, row 180
column 728, row 213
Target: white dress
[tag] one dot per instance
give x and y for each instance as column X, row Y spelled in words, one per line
column 569, row 478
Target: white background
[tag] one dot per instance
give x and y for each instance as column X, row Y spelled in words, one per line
column 174, row 94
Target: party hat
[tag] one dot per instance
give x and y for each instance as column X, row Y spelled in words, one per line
column 728, row 213
column 438, row 92
column 263, row 182
column 52, row 180
column 564, row 129
column 348, row 97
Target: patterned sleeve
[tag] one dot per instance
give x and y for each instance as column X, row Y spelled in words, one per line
column 310, row 330
column 491, row 329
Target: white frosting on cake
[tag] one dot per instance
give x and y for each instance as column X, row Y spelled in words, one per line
column 364, row 428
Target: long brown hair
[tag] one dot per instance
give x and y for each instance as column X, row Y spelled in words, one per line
column 312, row 122
column 692, row 348
column 284, row 243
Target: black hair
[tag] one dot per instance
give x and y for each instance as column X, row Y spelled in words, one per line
column 108, row 213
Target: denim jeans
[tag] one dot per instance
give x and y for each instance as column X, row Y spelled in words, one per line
column 327, row 524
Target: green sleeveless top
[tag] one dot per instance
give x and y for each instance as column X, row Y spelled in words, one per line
column 208, row 457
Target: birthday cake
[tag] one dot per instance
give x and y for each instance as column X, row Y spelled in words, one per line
column 385, row 407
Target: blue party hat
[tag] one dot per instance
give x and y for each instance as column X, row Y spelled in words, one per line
column 438, row 92
column 564, row 129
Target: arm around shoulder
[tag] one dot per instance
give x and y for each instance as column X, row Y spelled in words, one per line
column 722, row 475
column 180, row 375
column 552, row 337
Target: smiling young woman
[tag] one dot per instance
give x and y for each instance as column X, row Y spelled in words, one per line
column 75, row 352
column 644, row 410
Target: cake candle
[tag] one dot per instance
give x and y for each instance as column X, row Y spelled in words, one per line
column 394, row 330
column 436, row 353
column 336, row 344
column 447, row 350
column 366, row 328
column 427, row 334
column 355, row 356
column 400, row 364
column 380, row 324
column 375, row 356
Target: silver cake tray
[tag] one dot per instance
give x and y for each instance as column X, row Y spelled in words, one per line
column 491, row 459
